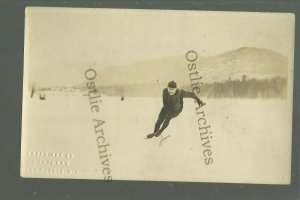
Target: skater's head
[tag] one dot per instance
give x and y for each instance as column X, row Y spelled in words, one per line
column 172, row 87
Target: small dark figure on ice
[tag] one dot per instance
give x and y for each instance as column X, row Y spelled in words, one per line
column 173, row 105
column 42, row 97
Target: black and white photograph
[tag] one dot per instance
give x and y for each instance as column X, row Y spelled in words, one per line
column 157, row 95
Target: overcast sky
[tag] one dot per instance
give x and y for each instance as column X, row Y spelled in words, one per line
column 61, row 40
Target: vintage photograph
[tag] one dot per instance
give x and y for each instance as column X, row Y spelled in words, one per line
column 157, row 95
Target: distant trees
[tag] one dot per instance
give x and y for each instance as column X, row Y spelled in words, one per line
column 246, row 88
column 231, row 88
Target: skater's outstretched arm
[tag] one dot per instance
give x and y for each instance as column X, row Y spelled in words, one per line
column 186, row 94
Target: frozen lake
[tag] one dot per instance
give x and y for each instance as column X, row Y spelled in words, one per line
column 250, row 141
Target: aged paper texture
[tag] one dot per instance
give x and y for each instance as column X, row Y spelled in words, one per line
column 160, row 95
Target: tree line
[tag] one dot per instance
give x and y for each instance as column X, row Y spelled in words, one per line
column 246, row 88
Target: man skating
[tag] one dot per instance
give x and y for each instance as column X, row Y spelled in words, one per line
column 173, row 104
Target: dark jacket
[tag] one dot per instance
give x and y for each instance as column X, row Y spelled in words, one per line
column 175, row 102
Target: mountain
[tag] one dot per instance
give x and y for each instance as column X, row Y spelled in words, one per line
column 253, row 62
column 249, row 61
column 151, row 72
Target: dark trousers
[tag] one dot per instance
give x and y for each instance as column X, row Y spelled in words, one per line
column 165, row 117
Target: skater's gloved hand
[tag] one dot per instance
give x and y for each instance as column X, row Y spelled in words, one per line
column 200, row 103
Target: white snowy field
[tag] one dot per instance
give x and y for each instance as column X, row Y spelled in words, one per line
column 251, row 140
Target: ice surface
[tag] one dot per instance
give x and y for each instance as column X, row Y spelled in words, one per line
column 251, row 138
